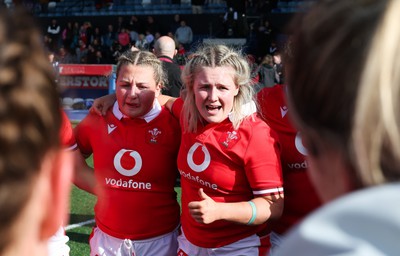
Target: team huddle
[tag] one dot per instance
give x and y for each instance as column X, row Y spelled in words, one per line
column 227, row 156
column 254, row 167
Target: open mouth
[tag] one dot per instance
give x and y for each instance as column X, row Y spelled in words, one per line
column 132, row 105
column 211, row 108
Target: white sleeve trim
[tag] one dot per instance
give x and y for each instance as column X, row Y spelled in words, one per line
column 72, row 148
column 268, row 191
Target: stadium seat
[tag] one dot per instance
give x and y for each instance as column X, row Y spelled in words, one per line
column 67, row 102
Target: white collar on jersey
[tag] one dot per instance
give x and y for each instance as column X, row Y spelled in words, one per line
column 153, row 113
column 247, row 109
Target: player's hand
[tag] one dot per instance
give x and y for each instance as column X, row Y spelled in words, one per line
column 204, row 211
column 102, row 104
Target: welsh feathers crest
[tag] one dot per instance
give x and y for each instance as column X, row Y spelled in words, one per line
column 154, row 133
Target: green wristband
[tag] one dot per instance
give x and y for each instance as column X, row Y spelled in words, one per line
column 253, row 213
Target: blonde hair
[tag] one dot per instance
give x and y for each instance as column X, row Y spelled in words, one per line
column 376, row 131
column 268, row 60
column 216, row 56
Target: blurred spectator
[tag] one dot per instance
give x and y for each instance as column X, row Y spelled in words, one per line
column 184, row 35
column 88, row 29
column 52, row 59
column 92, row 55
column 47, row 41
column 253, row 68
column 63, row 56
column 75, row 35
column 109, row 36
column 165, row 50
column 116, row 51
column 150, row 39
column 83, row 35
column 230, row 22
column 175, row 23
column 151, row 25
column 157, row 36
column 272, row 47
column 120, row 24
column 54, row 30
column 265, row 34
column 266, row 73
column 142, row 43
column 181, row 55
column 96, row 46
column 81, row 52
column 134, row 27
column 124, row 39
column 67, row 36
column 278, row 67
column 97, row 35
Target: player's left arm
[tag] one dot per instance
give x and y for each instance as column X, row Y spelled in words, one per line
column 166, row 101
column 253, row 212
column 102, row 104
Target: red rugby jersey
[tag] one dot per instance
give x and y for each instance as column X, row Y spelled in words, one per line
column 300, row 196
column 231, row 166
column 135, row 169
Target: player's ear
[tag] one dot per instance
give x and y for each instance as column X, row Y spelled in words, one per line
column 158, row 89
column 59, row 170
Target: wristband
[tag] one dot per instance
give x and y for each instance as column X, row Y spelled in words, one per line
column 253, row 213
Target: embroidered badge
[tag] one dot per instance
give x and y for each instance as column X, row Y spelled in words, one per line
column 229, row 139
column 154, row 133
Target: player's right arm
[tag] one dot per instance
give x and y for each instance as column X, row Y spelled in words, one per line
column 84, row 175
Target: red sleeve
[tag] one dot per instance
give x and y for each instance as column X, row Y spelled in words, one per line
column 262, row 161
column 66, row 133
column 83, row 133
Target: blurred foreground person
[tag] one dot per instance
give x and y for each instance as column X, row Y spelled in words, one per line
column 346, row 104
column 35, row 171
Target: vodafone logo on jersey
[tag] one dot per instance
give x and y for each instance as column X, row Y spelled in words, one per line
column 298, row 142
column 128, row 162
column 203, row 157
column 299, row 166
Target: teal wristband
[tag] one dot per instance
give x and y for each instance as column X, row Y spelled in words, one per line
column 253, row 213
